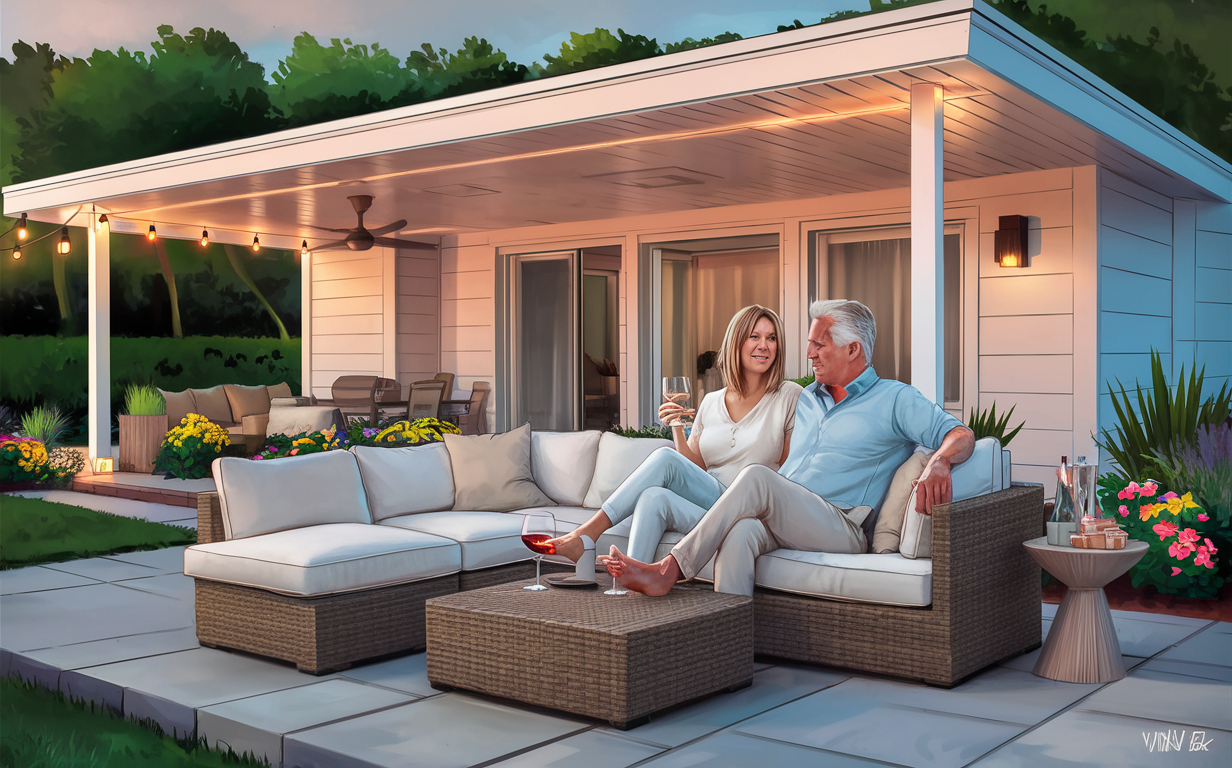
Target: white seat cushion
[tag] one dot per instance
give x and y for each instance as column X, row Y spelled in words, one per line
column 324, row 559
column 563, row 463
column 981, row 474
column 403, row 481
column 258, row 497
column 618, row 457
column 486, row 538
column 888, row 579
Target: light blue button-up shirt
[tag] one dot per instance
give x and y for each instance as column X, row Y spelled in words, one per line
column 847, row 453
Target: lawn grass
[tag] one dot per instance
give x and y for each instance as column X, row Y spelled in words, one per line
column 34, row 531
column 42, row 728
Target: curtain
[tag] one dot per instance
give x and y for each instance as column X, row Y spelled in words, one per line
column 546, row 360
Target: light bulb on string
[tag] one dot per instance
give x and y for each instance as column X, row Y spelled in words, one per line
column 65, row 247
column 151, row 234
column 22, row 232
column 256, row 244
column 16, row 253
column 303, row 248
column 98, row 225
column 205, row 238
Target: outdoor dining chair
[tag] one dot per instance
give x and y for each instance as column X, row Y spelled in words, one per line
column 361, row 395
column 425, row 399
column 471, row 415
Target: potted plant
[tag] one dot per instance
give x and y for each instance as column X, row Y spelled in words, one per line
column 142, row 428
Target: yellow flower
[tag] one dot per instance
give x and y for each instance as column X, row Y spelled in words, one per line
column 1147, row 511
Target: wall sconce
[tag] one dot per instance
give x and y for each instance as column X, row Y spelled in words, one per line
column 1011, row 243
column 104, row 465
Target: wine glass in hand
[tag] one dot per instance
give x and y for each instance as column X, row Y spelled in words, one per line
column 676, row 396
column 537, row 530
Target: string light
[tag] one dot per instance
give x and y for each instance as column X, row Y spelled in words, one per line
column 16, row 252
column 205, row 238
column 98, row 225
column 256, row 244
column 303, row 248
column 65, row 247
column 22, row 232
column 153, row 233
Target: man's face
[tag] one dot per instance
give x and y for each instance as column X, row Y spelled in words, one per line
column 832, row 364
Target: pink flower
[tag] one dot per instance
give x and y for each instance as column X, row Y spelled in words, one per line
column 1210, row 547
column 1129, row 491
column 1203, row 517
column 1189, row 537
column 1175, row 570
column 1203, row 558
column 1164, row 529
column 1179, row 551
column 1124, row 510
column 1148, row 488
column 258, row 457
column 1168, row 495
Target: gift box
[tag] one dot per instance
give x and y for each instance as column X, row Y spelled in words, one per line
column 1104, row 539
column 1096, row 524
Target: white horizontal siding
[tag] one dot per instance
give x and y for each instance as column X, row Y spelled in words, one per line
column 347, row 316
column 418, row 326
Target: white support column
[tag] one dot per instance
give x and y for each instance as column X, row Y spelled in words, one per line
column 98, row 241
column 389, row 314
column 927, row 250
column 305, row 324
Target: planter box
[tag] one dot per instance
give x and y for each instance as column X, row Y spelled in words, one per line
column 140, row 439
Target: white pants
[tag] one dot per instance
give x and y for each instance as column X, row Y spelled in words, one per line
column 761, row 511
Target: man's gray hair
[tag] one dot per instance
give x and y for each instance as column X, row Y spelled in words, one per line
column 852, row 322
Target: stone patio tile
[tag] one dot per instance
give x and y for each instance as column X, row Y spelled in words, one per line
column 104, row 569
column 1049, row 610
column 165, row 560
column 115, row 649
column 771, row 688
column 592, row 749
column 36, row 578
column 1220, row 672
column 1066, row 741
column 1188, row 701
column 77, row 685
column 1207, row 647
column 176, row 719
column 142, row 480
column 1222, row 627
column 1144, row 638
column 1026, row 662
column 735, row 750
column 256, row 724
column 452, row 730
column 80, row 614
column 1162, row 618
column 854, row 718
column 408, row 674
column 174, row 585
column 33, row 671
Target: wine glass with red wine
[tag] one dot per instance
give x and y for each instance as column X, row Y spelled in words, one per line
column 537, row 529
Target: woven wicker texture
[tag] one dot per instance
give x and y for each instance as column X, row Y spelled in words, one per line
column 986, row 603
column 614, row 658
column 503, row 574
column 319, row 634
column 209, row 518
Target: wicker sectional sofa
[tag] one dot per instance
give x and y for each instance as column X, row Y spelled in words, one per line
column 326, row 560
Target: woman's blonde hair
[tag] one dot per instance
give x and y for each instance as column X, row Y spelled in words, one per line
column 738, row 331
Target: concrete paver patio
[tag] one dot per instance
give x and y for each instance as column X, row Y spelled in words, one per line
column 119, row 630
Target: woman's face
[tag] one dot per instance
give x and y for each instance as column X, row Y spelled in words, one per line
column 760, row 349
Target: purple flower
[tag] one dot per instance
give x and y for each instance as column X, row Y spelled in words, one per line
column 258, row 457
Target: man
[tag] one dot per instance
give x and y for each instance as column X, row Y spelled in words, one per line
column 853, row 430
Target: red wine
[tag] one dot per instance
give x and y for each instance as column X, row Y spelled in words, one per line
column 537, row 542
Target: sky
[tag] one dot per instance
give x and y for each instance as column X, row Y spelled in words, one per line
column 265, row 29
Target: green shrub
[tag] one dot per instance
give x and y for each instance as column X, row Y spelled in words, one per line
column 1203, row 465
column 986, row 424
column 1164, row 421
column 190, row 446
column 22, row 460
column 650, row 430
column 45, row 424
column 804, row 381
column 143, row 400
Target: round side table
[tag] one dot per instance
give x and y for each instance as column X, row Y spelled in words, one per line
column 1082, row 646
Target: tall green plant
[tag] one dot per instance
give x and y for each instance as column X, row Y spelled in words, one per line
column 986, row 424
column 1163, row 421
column 44, row 423
column 143, row 400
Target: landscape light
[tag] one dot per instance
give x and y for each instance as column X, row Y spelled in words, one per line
column 65, row 246
column 205, row 238
column 153, row 233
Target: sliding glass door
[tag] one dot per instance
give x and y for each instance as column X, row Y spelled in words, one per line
column 545, row 359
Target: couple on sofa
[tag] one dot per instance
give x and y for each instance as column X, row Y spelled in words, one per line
column 770, row 465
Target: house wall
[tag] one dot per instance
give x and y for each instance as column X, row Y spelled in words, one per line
column 1022, row 327
column 1211, row 292
column 418, row 316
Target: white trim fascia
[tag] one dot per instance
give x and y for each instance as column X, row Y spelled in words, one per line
column 1009, row 51
column 937, row 32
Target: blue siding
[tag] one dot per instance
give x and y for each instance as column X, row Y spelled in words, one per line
column 1213, row 285
column 1123, row 332
column 1130, row 292
column 1212, row 321
column 1214, row 250
column 1134, row 254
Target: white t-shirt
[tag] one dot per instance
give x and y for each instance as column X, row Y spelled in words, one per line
column 729, row 446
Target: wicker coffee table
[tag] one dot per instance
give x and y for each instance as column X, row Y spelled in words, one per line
column 613, row 658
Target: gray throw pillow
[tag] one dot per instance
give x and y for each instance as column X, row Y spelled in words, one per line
column 889, row 528
column 492, row 473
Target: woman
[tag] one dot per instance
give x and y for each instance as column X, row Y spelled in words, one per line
column 747, row 422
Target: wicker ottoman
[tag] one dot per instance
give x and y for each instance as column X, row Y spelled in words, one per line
column 614, row 658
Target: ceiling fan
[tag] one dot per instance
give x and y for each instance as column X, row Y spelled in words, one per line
column 361, row 238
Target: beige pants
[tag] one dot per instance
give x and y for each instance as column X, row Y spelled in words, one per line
column 761, row 511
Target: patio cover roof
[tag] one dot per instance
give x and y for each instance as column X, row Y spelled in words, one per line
column 806, row 113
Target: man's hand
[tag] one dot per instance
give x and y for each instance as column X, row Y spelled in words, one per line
column 934, row 485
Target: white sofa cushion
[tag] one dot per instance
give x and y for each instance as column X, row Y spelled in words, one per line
column 889, row 527
column 259, row 497
column 486, row 538
column 563, row 463
column 492, row 472
column 402, row 481
column 618, row 457
column 323, row 559
column 888, row 579
column 979, row 475
column 294, row 420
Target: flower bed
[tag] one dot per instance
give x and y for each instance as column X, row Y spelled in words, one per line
column 396, row 435
column 23, row 462
column 188, row 448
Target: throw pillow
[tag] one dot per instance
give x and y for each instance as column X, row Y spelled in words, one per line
column 563, row 463
column 491, row 473
column 280, row 390
column 179, row 405
column 246, row 401
column 917, row 541
column 618, row 457
column 889, row 528
column 212, row 403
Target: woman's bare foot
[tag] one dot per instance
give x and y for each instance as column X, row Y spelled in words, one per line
column 570, row 545
column 651, row 579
